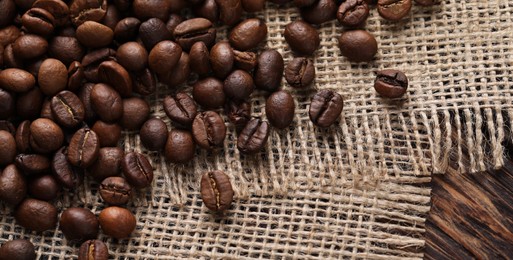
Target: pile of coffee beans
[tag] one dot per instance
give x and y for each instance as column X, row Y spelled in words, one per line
column 74, row 74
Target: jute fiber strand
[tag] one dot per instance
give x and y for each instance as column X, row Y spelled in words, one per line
column 357, row 190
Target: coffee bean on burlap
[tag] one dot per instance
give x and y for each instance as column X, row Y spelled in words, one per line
column 325, row 108
column 216, row 191
column 93, row 250
column 391, row 83
column 13, row 187
column 137, row 170
column 36, row 215
column 115, row 191
column 83, row 148
column 208, row 130
column 117, row 222
column 180, row 146
column 78, row 225
column 19, row 249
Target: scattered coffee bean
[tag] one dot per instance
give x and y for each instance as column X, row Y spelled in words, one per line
column 394, row 10
column 180, row 146
column 358, row 45
column 209, row 93
column 75, row 76
column 353, row 13
column 216, row 191
column 320, row 12
column 84, row 94
column 108, row 134
column 92, row 61
column 164, row 56
column 32, row 164
column 67, row 109
column 208, row 130
column 252, row 6
column 106, row 102
column 137, row 170
column 245, row 60
column 154, row 134
column 16, row 80
column 115, row 191
column 117, row 222
column 135, row 112
column 110, row 72
column 52, row 77
column 144, row 9
column 44, row 187
column 325, row 108
column 29, row 46
column 302, row 37
column 239, row 113
column 19, row 249
column 153, row 31
column 66, row 49
column 230, row 11
column 93, row 250
column 127, row 29
column 195, row 30
column 300, row 72
column 239, row 85
column 82, row 10
column 199, row 59
column 13, row 187
column 83, row 148
column 208, row 10
column 253, row 137
column 36, row 215
column 269, row 71
column 38, row 21
column 132, row 56
column 280, row 108
column 108, row 163
column 391, row 83
column 181, row 109
column 45, row 136
column 248, row 34
column 66, row 174
column 8, row 148
column 78, row 225
column 221, row 59
column 179, row 74
column 144, row 83
column 94, row 35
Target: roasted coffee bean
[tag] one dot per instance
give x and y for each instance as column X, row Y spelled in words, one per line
column 302, row 37
column 19, row 249
column 117, row 222
column 112, row 17
column 67, row 109
column 251, row 6
column 194, row 30
column 9, row 34
column 36, row 215
column 394, row 10
column 132, row 56
column 33, row 66
column 253, row 137
column 320, row 12
column 209, row 93
column 29, row 104
column 239, row 85
column 107, row 103
column 108, row 134
column 22, row 137
column 8, row 148
column 66, row 49
column 245, row 60
column 115, row 191
column 180, row 109
column 7, row 12
column 83, row 148
column 92, row 61
column 146, row 9
column 38, row 21
column 391, row 83
column 269, row 70
column 32, row 164
column 46, row 110
column 78, row 225
column 16, row 80
column 45, row 136
column 7, row 102
column 358, row 45
column 127, row 29
column 304, row 3
column 44, row 187
column 84, row 94
column 216, row 191
column 137, row 170
column 135, row 112
column 83, row 10
column 154, row 134
column 279, row 109
column 221, row 59
column 93, row 250
column 239, row 113
column 10, row 60
column 13, row 187
column 325, row 108
column 173, row 21
column 209, row 130
column 164, row 56
column 115, row 75
column 94, row 35
column 143, row 82
column 108, row 163
column 248, row 34
column 179, row 74
column 199, row 59
column 66, row 174
column 300, row 72
column 29, row 46
column 7, row 126
column 75, row 76
column 180, row 146
column 152, row 32
column 426, row 2
column 230, row 11
column 208, row 10
column 58, row 9
column 353, row 13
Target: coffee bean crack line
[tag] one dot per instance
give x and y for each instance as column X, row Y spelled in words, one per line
column 69, row 108
column 215, row 190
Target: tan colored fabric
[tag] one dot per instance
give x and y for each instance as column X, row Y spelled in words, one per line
column 359, row 189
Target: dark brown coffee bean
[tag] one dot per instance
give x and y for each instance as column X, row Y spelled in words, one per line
column 94, row 35
column 135, row 112
column 144, row 82
column 127, row 29
column 304, row 3
column 200, row 59
column 92, row 61
column 9, row 34
column 208, row 10
column 248, row 34
column 10, row 60
column 108, row 163
column 22, row 137
column 239, row 113
column 279, row 109
column 108, row 134
column 83, row 10
column 66, row 49
column 115, row 75
column 251, row 6
column 137, row 170
column 195, row 30
column 320, row 12
column 426, row 2
column 173, row 21
column 66, row 174
column 353, row 13
column 209, row 93
column 358, row 45
column 38, row 21
column 146, row 9
column 394, row 10
column 107, row 103
column 13, row 187
column 8, row 148
column 253, row 137
column 180, row 109
column 133, row 56
column 45, row 136
column 216, row 191
column 83, row 148
column 8, row 126
column 117, row 222
column 32, row 164
column 209, row 130
column 391, row 83
column 302, row 37
column 7, row 102
column 44, row 187
column 152, row 32
column 19, row 249
column 93, row 250
column 29, row 104
column 75, row 76
column 112, row 17
column 230, row 11
column 115, row 191
column 78, row 225
column 67, row 109
column 7, row 12
column 16, row 80
column 58, row 9
column 84, row 94
column 36, row 215
column 154, row 134
column 238, row 85
column 221, row 59
column 300, row 72
column 325, row 108
column 164, row 56
column 180, row 146
column 29, row 46
column 269, row 70
column 245, row 60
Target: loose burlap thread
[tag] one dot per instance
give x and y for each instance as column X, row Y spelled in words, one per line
column 359, row 189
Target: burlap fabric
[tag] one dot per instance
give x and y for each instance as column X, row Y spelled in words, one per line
column 359, row 189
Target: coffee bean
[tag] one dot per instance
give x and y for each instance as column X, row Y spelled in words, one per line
column 66, row 49
column 84, row 94
column 117, row 222
column 181, row 109
column 108, row 163
column 252, row 6
column 115, row 191
column 179, row 74
column 269, row 70
column 45, row 136
column 208, row 10
column 195, row 30
column 325, row 108
column 238, row 85
column 143, row 82
column 152, row 32
column 127, row 29
column 303, row 3
column 300, row 72
column 94, row 35
column 92, row 61
column 137, row 170
column 391, row 83
column 10, row 60
column 19, row 249
column 209, row 130
column 58, row 9
column 36, row 215
column 93, row 250
column 302, row 37
column 180, row 146
column 83, row 148
column 253, row 137
column 66, row 174
column 353, row 13
column 280, row 108
column 7, row 102
column 44, row 187
column 32, row 164
column 22, row 137
column 154, row 134
column 112, row 16
column 16, row 80
column 7, row 12
column 164, row 56
column 132, row 56
column 245, row 60
column 173, row 21
column 8, row 148
column 29, row 46
column 115, row 75
column 135, row 112
column 38, row 21
column 108, row 134
column 78, row 225
column 75, row 76
column 216, row 191
column 426, row 2
column 358, row 45
column 239, row 113
column 107, row 103
column 13, row 187
column 29, row 104
column 209, row 93
column 146, row 9
column 67, row 109
column 394, row 10
column 230, row 11
column 199, row 59
column 221, row 59
column 320, row 12
column 8, row 126
column 248, row 34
